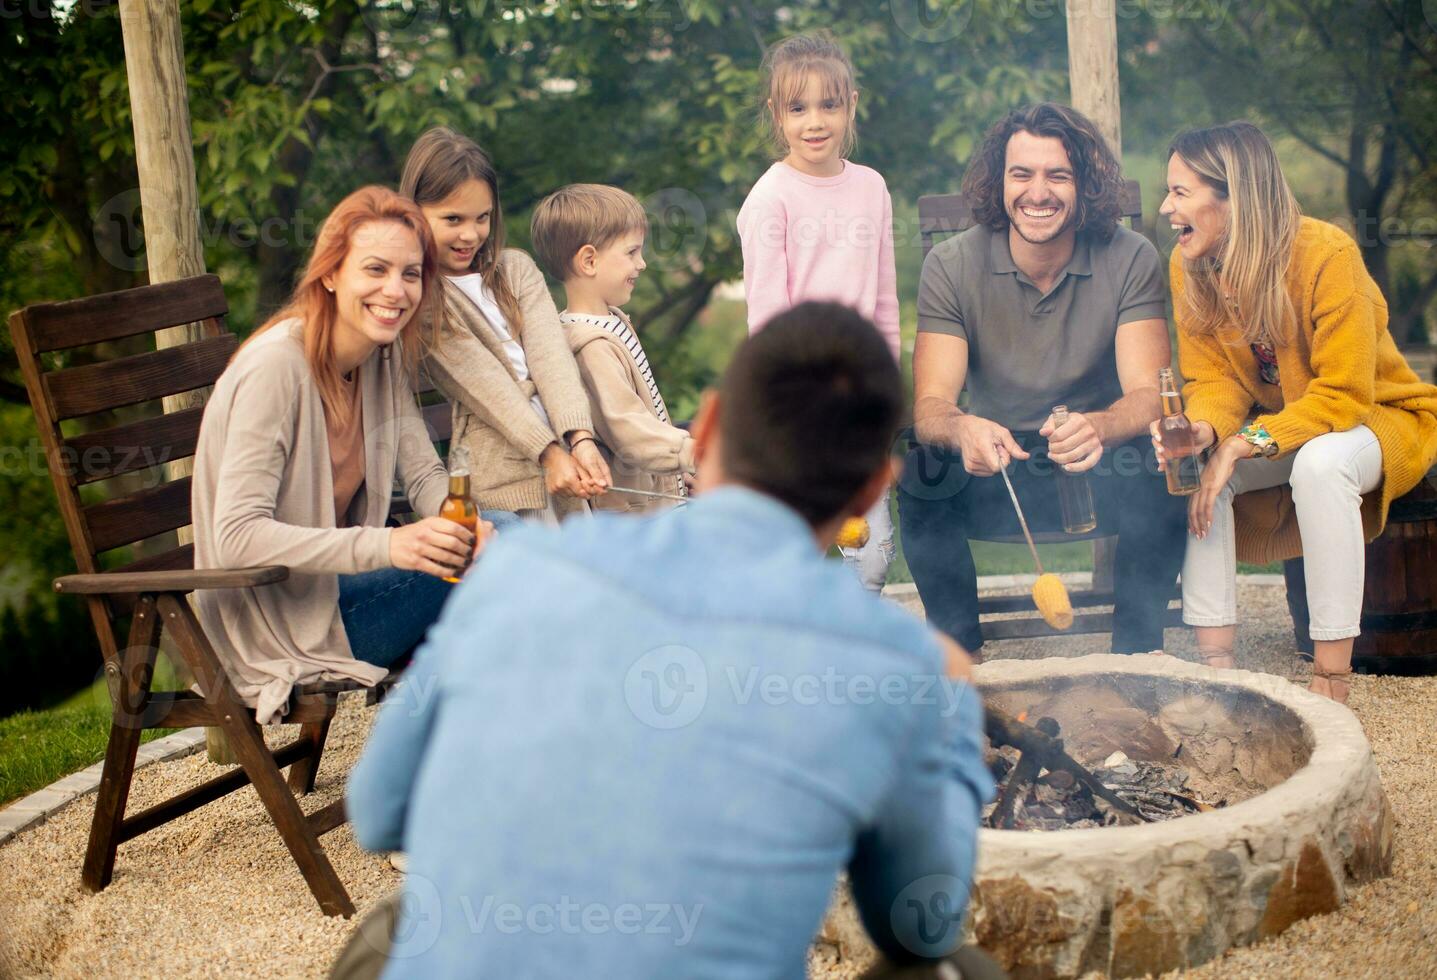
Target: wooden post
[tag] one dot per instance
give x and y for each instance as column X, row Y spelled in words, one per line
column 169, row 198
column 1093, row 83
column 1093, row 66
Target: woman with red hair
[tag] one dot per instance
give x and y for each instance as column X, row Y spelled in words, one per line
column 302, row 440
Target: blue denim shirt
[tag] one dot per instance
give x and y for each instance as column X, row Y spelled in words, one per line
column 647, row 747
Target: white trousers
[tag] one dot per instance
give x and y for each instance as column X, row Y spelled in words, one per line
column 871, row 561
column 1328, row 475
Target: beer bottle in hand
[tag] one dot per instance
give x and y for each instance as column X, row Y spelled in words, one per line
column 1179, row 439
column 459, row 506
column 1075, row 496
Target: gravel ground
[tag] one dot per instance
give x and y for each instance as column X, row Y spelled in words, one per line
column 216, row 893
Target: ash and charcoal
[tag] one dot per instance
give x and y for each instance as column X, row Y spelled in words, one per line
column 1056, row 800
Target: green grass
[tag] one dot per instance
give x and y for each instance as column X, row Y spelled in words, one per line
column 39, row 747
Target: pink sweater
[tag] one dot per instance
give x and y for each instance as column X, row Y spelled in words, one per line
column 820, row 238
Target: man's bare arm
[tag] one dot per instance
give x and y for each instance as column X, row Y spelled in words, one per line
column 940, row 366
column 1143, row 348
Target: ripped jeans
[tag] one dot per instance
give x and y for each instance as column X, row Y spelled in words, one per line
column 871, row 561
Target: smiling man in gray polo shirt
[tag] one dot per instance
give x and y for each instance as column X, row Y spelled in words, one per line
column 1046, row 301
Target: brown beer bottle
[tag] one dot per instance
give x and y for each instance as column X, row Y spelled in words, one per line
column 1179, row 439
column 459, row 506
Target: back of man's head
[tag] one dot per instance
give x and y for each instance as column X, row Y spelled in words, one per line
column 809, row 407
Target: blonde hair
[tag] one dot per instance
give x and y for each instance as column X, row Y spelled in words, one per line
column 579, row 215
column 787, row 67
column 1244, row 282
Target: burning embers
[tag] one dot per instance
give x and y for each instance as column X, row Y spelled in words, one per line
column 1043, row 788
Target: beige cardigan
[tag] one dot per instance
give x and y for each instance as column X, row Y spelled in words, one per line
column 494, row 420
column 643, row 452
column 262, row 495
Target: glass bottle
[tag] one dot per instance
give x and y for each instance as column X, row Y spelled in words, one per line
column 1179, row 439
column 1075, row 496
column 459, row 506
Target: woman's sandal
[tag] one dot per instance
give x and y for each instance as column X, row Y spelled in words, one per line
column 1219, row 658
column 1339, row 683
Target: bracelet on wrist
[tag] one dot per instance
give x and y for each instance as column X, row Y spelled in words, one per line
column 1259, row 439
column 574, row 445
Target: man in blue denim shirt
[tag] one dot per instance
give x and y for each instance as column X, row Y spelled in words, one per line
column 646, row 748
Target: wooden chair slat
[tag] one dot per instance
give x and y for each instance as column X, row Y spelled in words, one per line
column 95, row 319
column 140, row 515
column 120, row 449
column 139, row 378
column 174, row 560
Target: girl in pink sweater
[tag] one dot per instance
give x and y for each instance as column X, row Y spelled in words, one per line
column 817, row 226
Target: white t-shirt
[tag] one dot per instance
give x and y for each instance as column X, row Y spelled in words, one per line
column 474, row 288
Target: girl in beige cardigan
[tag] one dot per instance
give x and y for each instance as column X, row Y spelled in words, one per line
column 300, row 445
column 500, row 356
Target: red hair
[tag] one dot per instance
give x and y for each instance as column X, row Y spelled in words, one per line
column 315, row 306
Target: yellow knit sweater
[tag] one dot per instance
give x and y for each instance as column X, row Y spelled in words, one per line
column 1339, row 370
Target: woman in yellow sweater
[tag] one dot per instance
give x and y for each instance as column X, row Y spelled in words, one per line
column 1292, row 375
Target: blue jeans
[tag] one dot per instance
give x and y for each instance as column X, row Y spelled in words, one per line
column 941, row 508
column 386, row 612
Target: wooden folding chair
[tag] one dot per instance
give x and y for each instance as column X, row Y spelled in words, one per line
column 152, row 590
column 940, row 215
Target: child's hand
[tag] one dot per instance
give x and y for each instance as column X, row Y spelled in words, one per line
column 597, row 478
column 562, row 474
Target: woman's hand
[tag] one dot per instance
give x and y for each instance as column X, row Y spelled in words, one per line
column 435, row 545
column 1215, row 477
column 1203, row 436
column 597, row 478
column 562, row 475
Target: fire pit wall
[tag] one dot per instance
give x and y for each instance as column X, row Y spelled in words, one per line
column 1307, row 820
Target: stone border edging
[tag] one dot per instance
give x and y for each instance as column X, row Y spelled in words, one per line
column 39, row 806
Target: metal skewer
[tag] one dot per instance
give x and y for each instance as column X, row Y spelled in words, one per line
column 1028, row 535
column 649, row 493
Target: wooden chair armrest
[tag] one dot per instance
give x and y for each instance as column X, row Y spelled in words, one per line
column 180, row 580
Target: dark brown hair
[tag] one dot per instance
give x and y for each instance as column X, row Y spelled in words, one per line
column 439, row 162
column 1095, row 169
column 809, row 408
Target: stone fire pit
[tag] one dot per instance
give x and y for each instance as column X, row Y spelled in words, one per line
column 1307, row 820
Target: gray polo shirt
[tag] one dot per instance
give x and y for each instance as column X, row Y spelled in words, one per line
column 1027, row 350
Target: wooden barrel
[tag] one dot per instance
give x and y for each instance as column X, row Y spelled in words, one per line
column 1399, row 604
